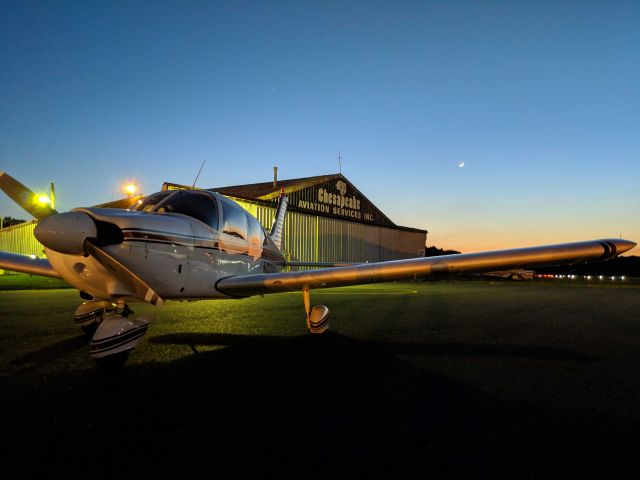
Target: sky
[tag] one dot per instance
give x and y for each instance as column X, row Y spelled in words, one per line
column 540, row 100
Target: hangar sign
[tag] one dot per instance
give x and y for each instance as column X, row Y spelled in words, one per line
column 337, row 199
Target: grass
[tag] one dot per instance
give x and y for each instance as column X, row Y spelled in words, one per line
column 472, row 378
column 20, row 281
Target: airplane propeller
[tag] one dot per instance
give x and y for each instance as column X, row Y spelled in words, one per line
column 26, row 198
column 76, row 233
column 122, row 273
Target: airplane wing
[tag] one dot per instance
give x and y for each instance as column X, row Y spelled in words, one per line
column 559, row 254
column 27, row 264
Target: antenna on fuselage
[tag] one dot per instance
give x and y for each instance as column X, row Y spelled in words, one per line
column 194, row 182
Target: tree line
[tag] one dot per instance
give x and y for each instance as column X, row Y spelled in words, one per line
column 10, row 221
column 629, row 266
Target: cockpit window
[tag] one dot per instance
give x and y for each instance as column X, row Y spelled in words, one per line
column 193, row 204
column 148, row 203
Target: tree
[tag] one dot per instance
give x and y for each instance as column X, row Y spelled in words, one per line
column 435, row 252
column 10, row 221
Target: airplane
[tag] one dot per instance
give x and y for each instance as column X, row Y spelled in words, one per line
column 198, row 244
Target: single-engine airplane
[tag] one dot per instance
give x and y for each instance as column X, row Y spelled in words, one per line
column 198, row 244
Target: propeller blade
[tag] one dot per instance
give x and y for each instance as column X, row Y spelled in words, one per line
column 141, row 289
column 24, row 197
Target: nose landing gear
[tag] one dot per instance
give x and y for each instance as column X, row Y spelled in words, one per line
column 89, row 315
column 116, row 336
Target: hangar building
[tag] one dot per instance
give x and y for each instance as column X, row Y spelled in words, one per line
column 329, row 220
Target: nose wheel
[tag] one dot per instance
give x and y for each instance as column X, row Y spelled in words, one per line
column 112, row 362
column 116, row 336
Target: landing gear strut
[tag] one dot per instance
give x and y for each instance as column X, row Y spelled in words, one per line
column 317, row 317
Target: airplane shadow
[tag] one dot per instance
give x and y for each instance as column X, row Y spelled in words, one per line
column 51, row 352
column 304, row 406
column 441, row 348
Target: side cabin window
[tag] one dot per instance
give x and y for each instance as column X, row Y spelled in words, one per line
column 234, row 219
column 193, row 204
column 256, row 233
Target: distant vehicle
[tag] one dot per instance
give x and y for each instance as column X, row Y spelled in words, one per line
column 518, row 274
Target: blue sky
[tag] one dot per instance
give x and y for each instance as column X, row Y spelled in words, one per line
column 540, row 100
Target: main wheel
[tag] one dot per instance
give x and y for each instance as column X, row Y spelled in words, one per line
column 112, row 362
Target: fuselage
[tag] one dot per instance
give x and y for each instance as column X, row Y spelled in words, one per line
column 180, row 243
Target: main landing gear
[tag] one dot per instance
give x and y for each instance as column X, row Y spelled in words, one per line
column 317, row 317
column 114, row 332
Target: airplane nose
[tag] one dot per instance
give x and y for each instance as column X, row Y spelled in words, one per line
column 66, row 232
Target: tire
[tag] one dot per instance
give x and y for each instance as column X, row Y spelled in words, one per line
column 113, row 362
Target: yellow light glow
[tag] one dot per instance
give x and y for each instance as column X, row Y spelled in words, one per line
column 130, row 187
column 43, row 199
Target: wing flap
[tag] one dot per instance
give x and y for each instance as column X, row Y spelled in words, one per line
column 559, row 254
column 27, row 264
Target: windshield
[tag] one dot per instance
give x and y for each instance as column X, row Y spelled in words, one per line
column 198, row 205
column 147, row 204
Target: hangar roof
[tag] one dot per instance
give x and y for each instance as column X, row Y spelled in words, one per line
column 267, row 190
